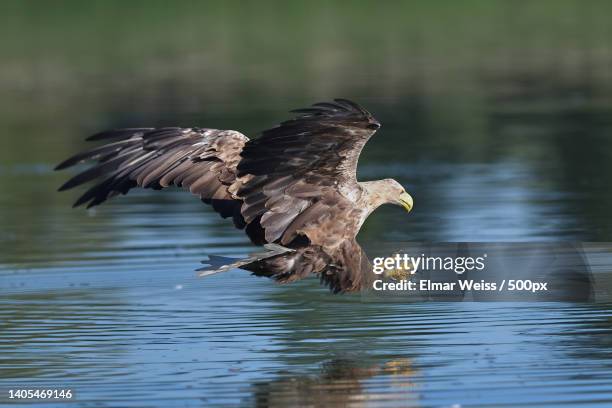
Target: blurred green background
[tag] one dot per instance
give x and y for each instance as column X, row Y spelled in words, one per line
column 75, row 66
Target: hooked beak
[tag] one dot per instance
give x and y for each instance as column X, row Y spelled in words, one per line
column 406, row 201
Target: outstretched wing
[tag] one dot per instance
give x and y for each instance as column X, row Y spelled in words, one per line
column 201, row 160
column 298, row 180
column 299, row 177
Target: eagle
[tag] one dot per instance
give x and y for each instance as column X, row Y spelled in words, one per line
column 293, row 189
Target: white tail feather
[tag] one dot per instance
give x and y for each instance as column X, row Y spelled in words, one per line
column 217, row 264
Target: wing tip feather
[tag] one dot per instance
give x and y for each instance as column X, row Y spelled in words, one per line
column 340, row 108
column 116, row 133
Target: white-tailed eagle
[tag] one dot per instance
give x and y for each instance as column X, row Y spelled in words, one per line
column 293, row 189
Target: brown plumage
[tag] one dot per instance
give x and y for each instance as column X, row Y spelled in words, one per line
column 295, row 186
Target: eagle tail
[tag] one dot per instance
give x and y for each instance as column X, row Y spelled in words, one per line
column 217, row 264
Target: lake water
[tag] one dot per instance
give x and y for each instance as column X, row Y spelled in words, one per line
column 514, row 147
column 107, row 303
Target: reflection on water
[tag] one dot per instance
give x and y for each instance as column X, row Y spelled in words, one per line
column 339, row 383
column 496, row 118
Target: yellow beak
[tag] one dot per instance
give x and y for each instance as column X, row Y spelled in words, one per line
column 406, row 201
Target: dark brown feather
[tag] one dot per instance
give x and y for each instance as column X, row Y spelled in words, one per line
column 157, row 158
column 344, row 268
column 302, row 160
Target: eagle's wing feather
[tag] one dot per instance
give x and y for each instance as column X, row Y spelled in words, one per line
column 200, row 160
column 295, row 175
column 288, row 183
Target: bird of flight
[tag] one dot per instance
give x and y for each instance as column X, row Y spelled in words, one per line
column 294, row 189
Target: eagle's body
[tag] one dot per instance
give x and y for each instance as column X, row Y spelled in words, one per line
column 295, row 186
